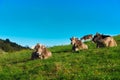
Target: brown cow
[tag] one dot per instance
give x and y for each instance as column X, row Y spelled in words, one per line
column 77, row 44
column 86, row 37
column 41, row 52
column 104, row 40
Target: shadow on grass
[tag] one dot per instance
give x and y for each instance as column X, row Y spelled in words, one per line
column 22, row 61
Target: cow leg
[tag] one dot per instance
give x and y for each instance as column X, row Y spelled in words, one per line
column 33, row 56
column 97, row 45
column 73, row 48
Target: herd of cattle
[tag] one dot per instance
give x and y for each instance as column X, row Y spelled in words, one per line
column 41, row 52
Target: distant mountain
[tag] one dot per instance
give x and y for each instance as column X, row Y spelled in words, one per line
column 8, row 46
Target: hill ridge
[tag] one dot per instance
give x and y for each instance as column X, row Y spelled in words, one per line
column 9, row 46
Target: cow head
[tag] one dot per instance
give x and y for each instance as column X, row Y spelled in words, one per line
column 73, row 40
column 39, row 48
column 97, row 37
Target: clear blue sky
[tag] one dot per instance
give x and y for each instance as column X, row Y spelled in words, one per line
column 53, row 22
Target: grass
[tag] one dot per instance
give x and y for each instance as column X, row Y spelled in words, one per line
column 91, row 64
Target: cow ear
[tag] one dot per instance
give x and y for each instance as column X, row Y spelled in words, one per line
column 70, row 38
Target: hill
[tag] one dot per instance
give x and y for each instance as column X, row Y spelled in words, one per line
column 8, row 46
column 91, row 64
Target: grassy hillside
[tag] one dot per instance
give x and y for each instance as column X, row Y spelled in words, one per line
column 91, row 64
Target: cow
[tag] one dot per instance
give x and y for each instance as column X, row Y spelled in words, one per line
column 41, row 52
column 77, row 44
column 86, row 37
column 104, row 40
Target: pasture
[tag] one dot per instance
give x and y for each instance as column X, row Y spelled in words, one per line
column 91, row 64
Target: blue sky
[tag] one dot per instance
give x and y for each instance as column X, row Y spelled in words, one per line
column 53, row 22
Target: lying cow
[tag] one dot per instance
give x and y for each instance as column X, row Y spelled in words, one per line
column 104, row 40
column 41, row 52
column 87, row 37
column 77, row 44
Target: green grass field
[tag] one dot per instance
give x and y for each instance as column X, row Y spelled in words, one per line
column 91, row 64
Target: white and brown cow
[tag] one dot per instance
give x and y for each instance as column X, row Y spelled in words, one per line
column 104, row 40
column 78, row 44
column 41, row 52
column 89, row 36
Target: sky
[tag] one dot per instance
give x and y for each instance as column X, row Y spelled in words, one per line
column 53, row 22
